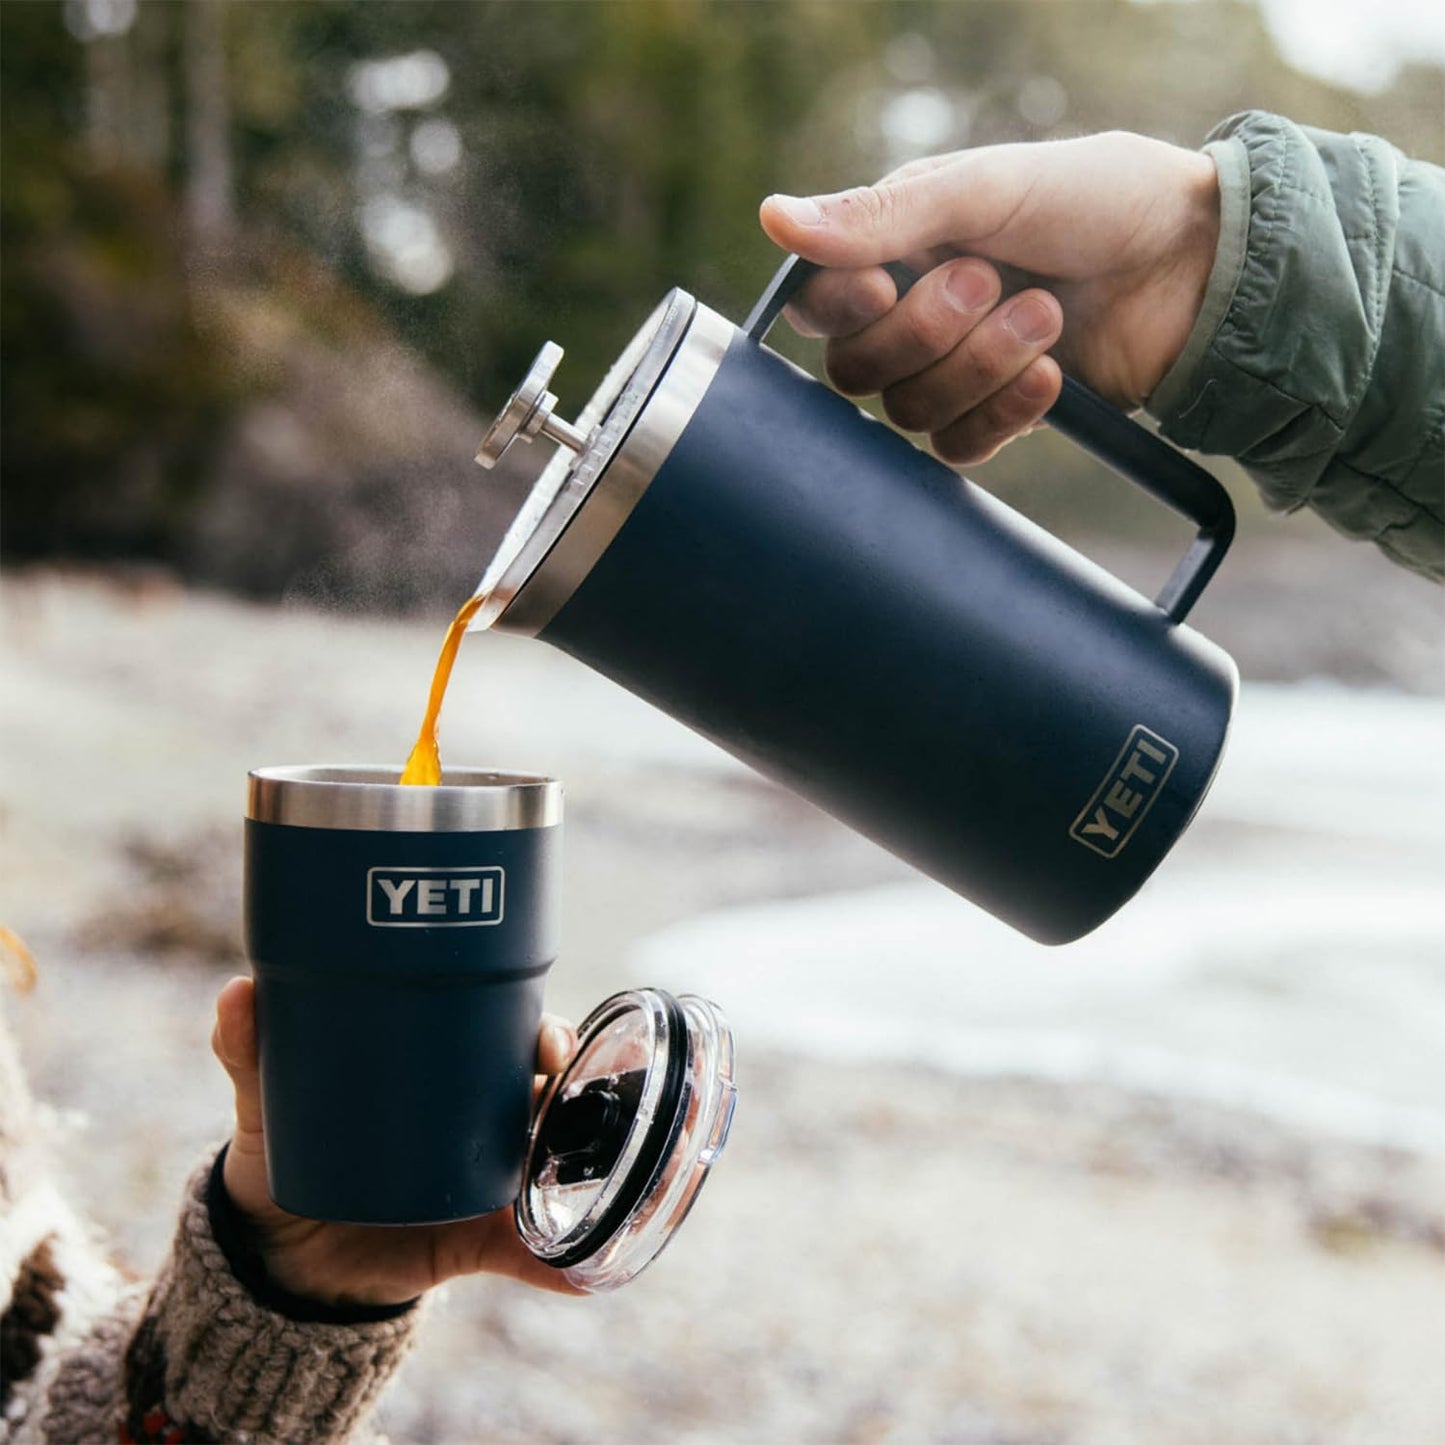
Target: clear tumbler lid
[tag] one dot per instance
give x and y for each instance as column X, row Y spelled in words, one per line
column 626, row 1136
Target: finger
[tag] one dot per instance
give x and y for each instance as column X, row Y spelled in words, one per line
column 556, row 1043
column 839, row 303
column 923, row 260
column 925, row 326
column 996, row 351
column 970, row 196
column 233, row 1041
column 491, row 1245
column 1010, row 412
column 920, row 263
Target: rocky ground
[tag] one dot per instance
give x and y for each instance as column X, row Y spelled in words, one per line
column 887, row 1252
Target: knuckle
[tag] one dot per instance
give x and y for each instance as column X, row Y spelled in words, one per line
column 800, row 317
column 921, row 165
column 876, row 206
column 957, row 446
column 1016, row 411
column 867, row 298
column 931, row 330
column 999, row 420
column 988, row 366
column 848, row 373
column 1020, row 404
column 906, row 408
column 980, row 434
column 842, row 303
column 974, row 454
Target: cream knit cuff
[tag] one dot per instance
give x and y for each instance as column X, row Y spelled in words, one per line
column 228, row 1365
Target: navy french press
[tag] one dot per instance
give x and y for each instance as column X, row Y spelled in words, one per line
column 735, row 542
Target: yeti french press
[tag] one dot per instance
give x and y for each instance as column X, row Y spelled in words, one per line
column 735, row 542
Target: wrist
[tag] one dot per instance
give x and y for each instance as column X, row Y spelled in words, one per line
column 1231, row 181
column 239, row 1241
column 1191, row 255
column 1200, row 227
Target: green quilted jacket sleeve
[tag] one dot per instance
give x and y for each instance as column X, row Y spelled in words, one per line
column 1318, row 359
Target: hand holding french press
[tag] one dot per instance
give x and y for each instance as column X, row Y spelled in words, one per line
column 1120, row 229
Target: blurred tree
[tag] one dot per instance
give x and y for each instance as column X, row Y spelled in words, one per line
column 210, row 207
column 474, row 178
column 109, row 391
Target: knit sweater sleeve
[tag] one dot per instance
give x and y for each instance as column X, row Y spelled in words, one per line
column 198, row 1359
column 1318, row 358
column 195, row 1356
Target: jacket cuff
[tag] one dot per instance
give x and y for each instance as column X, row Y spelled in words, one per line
column 1185, row 382
column 219, row 1360
column 1284, row 348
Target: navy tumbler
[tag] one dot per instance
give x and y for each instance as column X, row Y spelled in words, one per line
column 400, row 938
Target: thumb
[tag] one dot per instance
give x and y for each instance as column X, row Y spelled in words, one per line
column 234, row 1044
column 961, row 200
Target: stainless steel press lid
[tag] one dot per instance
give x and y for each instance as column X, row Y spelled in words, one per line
column 626, row 1136
column 604, row 461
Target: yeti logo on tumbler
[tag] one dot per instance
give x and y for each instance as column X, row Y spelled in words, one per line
column 433, row 897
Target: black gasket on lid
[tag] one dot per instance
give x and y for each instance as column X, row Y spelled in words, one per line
column 655, row 1145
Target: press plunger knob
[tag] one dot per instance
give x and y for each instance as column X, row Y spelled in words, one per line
column 530, row 411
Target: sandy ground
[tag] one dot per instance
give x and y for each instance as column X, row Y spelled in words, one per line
column 889, row 1251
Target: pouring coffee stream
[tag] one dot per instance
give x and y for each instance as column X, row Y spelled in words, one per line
column 423, row 765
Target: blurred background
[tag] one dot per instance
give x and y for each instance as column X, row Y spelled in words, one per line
column 264, row 269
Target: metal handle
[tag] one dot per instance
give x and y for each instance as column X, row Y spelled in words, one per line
column 529, row 411
column 1105, row 433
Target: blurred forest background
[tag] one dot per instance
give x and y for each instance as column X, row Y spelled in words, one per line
column 264, row 270
column 266, row 266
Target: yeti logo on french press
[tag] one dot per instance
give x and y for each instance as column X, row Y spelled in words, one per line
column 1128, row 791
column 434, row 897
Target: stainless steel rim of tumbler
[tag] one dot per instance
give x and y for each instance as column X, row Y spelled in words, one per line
column 366, row 797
